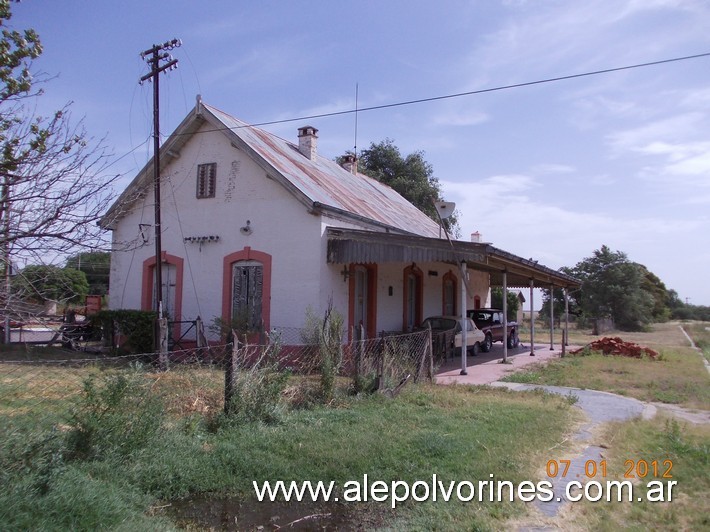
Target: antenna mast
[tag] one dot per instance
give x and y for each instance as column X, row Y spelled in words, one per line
column 356, row 101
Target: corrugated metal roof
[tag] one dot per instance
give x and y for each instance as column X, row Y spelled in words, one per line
column 321, row 184
column 326, row 184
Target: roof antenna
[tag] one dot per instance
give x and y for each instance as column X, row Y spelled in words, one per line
column 356, row 101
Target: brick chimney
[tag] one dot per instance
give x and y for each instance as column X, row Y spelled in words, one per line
column 476, row 237
column 350, row 163
column 308, row 141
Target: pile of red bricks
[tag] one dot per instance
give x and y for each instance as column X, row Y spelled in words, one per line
column 616, row 346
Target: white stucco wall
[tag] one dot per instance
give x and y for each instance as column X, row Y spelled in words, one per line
column 281, row 226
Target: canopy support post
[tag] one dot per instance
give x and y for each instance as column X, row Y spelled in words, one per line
column 532, row 320
column 552, row 317
column 464, row 343
column 505, row 316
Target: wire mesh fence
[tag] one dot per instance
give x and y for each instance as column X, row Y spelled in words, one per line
column 38, row 387
column 390, row 360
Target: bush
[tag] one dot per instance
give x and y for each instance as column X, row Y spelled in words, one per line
column 327, row 334
column 257, row 396
column 136, row 325
column 114, row 417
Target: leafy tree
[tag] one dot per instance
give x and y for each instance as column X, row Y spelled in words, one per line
column 613, row 287
column 651, row 284
column 411, row 176
column 679, row 310
column 558, row 300
column 51, row 283
column 53, row 190
column 96, row 265
column 513, row 302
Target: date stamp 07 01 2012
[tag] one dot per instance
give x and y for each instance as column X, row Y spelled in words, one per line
column 632, row 468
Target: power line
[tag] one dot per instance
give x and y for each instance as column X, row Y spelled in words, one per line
column 455, row 95
column 479, row 91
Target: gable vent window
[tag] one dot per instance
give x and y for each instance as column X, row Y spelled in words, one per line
column 206, row 180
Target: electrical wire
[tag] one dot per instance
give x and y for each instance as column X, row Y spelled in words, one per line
column 442, row 97
column 468, row 93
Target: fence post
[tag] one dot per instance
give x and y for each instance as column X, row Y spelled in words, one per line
column 430, row 349
column 564, row 343
column 357, row 361
column 230, row 369
column 381, row 368
column 200, row 333
column 162, row 332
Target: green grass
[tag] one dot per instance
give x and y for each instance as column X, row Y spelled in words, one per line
column 68, row 478
column 699, row 331
column 65, row 464
column 687, row 446
column 677, row 377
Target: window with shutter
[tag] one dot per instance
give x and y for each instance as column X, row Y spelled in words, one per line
column 247, row 294
column 206, row 180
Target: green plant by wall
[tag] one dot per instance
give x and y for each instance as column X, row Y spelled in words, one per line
column 136, row 326
column 327, row 334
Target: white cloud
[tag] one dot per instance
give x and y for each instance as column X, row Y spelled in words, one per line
column 601, row 180
column 275, row 62
column 457, row 119
column 502, row 209
column 634, row 7
column 693, row 166
column 656, row 133
column 552, row 168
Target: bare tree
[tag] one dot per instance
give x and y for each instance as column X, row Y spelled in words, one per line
column 54, row 185
column 53, row 190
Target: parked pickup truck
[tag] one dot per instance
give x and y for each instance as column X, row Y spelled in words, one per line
column 490, row 321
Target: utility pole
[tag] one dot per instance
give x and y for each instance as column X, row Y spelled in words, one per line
column 154, row 56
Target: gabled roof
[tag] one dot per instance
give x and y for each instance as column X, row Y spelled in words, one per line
column 320, row 184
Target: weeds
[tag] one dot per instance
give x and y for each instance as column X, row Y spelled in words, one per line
column 686, row 447
column 327, row 334
column 676, row 376
column 118, row 415
column 679, row 444
column 571, row 398
column 257, row 396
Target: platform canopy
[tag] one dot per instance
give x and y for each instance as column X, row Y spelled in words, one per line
column 347, row 246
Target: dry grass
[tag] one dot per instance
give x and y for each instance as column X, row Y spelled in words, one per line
column 677, row 377
column 189, row 390
column 658, row 439
column 661, row 335
column 35, row 388
column 24, row 387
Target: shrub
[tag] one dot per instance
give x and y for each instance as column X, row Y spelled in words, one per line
column 114, row 417
column 257, row 395
column 136, row 325
column 327, row 334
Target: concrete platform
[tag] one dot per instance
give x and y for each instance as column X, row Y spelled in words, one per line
column 486, row 368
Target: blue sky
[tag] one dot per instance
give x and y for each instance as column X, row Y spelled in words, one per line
column 551, row 171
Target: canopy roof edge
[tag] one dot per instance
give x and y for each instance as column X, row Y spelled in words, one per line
column 347, row 246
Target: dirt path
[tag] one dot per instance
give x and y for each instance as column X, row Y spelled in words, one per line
column 700, row 351
column 599, row 407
